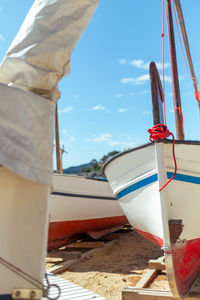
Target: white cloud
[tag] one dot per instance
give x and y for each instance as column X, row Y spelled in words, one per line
column 140, row 64
column 132, row 94
column 1, row 37
column 101, row 138
column 145, row 92
column 128, row 80
column 181, row 77
column 72, row 138
column 76, row 96
column 137, row 81
column 1, row 8
column 64, row 131
column 144, row 78
column 118, row 95
column 65, row 110
column 122, row 109
column 98, row 107
column 147, row 113
column 168, row 79
column 107, row 138
column 160, row 66
column 122, row 61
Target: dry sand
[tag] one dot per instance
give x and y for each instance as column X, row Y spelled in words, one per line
column 119, row 264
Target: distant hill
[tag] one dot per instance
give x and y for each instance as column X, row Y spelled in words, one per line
column 75, row 169
column 91, row 169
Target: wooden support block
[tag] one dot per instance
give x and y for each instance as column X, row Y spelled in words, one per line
column 130, row 293
column 146, row 279
column 53, row 260
column 62, row 267
column 66, row 255
column 157, row 264
column 86, row 245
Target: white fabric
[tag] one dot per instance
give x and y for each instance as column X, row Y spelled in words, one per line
column 35, row 62
column 40, row 54
column 26, row 131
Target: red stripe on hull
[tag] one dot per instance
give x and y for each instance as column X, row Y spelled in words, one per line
column 186, row 260
column 151, row 237
column 61, row 233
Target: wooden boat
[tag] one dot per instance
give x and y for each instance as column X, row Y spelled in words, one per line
column 165, row 214
column 80, row 205
column 169, row 218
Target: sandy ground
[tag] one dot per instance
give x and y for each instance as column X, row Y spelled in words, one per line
column 117, row 265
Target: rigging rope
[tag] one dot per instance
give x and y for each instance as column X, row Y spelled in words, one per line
column 160, row 131
column 31, row 279
column 163, row 62
column 197, row 95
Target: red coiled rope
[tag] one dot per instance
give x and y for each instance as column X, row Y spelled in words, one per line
column 160, row 131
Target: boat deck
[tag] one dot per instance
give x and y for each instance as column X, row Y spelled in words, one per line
column 69, row 290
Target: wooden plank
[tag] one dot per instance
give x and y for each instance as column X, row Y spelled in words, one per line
column 63, row 266
column 130, row 293
column 153, row 264
column 86, row 245
column 64, row 254
column 53, row 260
column 146, row 279
column 157, row 264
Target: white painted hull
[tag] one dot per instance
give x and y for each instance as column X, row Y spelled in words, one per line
column 23, row 231
column 79, row 205
column 135, row 177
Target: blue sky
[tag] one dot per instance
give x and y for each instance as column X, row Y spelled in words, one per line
column 105, row 102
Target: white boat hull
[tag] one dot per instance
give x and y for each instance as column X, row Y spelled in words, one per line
column 23, row 233
column 136, row 176
column 80, row 205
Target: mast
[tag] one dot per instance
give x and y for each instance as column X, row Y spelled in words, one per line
column 57, row 141
column 174, row 69
column 187, row 48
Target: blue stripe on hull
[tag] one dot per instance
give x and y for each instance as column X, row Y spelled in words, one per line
column 5, row 297
column 184, row 178
column 137, row 186
column 153, row 178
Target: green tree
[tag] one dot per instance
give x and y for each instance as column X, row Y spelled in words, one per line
column 107, row 156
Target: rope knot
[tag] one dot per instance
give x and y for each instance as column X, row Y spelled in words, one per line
column 160, row 131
